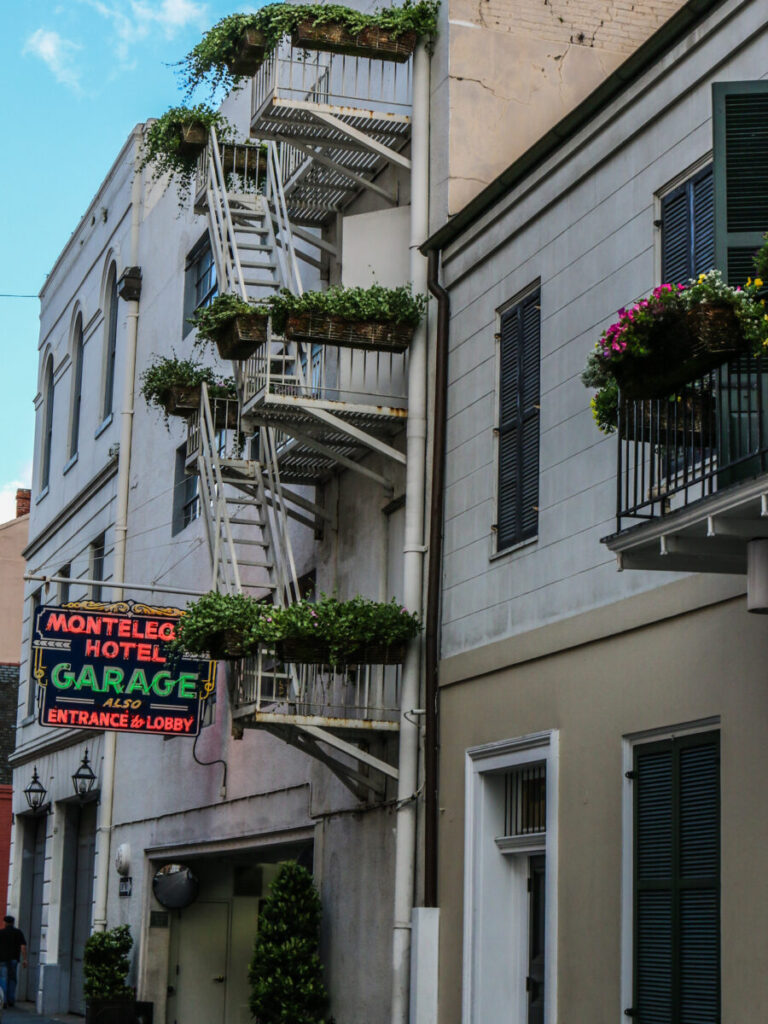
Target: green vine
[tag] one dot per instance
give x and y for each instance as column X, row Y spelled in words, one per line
column 375, row 304
column 211, row 60
column 168, row 372
column 163, row 148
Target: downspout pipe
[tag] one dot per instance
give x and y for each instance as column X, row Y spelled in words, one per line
column 434, row 580
column 413, row 555
column 106, row 803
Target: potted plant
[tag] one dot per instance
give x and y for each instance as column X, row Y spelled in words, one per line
column 237, row 44
column 670, row 338
column 377, row 318
column 235, row 326
column 173, row 142
column 225, row 626
column 108, row 1000
column 173, row 385
column 285, row 973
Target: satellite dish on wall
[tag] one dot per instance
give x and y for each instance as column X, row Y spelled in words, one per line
column 175, row 886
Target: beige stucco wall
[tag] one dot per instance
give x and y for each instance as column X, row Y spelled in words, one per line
column 707, row 662
column 13, row 539
column 516, row 67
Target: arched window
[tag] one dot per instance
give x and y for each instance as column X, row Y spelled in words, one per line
column 45, row 473
column 111, row 322
column 77, row 387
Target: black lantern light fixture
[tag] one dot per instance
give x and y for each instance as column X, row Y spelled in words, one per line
column 36, row 793
column 84, row 779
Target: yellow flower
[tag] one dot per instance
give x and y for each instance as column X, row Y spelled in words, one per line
column 702, row 277
column 758, row 282
column 749, row 281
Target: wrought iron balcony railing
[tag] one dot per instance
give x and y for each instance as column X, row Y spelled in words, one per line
column 708, row 436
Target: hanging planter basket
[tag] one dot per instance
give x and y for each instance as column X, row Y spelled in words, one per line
column 335, row 330
column 303, row 651
column 234, row 645
column 308, row 651
column 373, row 42
column 378, row 654
column 242, row 336
column 181, row 401
column 250, row 54
column 194, row 139
column 674, row 423
column 716, row 335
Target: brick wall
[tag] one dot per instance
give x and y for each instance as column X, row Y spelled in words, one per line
column 9, row 685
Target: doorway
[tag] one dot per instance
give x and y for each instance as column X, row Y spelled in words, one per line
column 31, row 902
column 77, row 896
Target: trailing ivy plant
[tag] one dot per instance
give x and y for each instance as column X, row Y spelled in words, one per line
column 163, row 144
column 211, row 320
column 169, row 372
column 375, row 304
column 285, row 973
column 210, row 60
column 106, row 964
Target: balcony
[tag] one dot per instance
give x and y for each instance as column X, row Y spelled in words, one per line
column 343, row 119
column 692, row 486
column 350, row 698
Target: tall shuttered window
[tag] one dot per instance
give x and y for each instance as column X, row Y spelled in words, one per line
column 519, row 396
column 677, row 881
column 688, row 228
column 740, row 138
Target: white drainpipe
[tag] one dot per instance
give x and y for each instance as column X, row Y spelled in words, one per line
column 104, row 831
column 413, row 568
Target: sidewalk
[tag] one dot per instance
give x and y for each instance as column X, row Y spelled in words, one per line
column 24, row 1013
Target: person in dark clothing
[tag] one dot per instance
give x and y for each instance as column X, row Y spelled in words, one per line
column 13, row 947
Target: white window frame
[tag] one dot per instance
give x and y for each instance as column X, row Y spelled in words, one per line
column 480, row 837
column 628, row 843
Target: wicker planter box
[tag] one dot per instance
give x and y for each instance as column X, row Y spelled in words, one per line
column 665, row 422
column 372, row 42
column 181, row 401
column 243, row 336
column 378, row 654
column 194, row 139
column 250, row 54
column 303, row 651
column 335, row 330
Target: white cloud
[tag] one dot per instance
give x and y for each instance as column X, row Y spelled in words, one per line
column 57, row 53
column 8, row 494
column 135, row 22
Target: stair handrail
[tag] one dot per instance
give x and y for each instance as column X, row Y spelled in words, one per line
column 212, row 467
column 275, row 173
column 234, row 279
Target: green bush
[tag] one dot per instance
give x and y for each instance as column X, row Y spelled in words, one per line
column 163, row 144
column 211, row 320
column 285, row 973
column 168, row 372
column 106, row 964
column 375, row 304
column 210, row 60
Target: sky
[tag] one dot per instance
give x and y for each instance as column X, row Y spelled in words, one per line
column 77, row 76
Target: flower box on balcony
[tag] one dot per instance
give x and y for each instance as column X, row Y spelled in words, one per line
column 193, row 139
column 336, row 330
column 242, row 336
column 181, row 401
column 303, row 651
column 308, row 651
column 372, row 42
column 250, row 53
column 378, row 654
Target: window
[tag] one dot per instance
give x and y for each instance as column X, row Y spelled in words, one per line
column 688, row 228
column 77, row 388
column 740, row 113
column 35, row 603
column 97, row 554
column 518, row 483
column 199, row 280
column 510, row 899
column 111, row 339
column 186, row 503
column 676, row 852
column 45, row 468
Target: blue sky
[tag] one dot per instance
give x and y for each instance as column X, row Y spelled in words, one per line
column 78, row 76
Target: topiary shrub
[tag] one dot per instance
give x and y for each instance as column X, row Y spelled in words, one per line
column 106, row 964
column 286, row 974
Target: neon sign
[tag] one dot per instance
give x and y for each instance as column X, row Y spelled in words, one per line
column 104, row 666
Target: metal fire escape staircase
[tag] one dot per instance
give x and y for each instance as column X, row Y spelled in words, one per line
column 310, row 409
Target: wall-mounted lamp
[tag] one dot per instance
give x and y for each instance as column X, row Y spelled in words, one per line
column 36, row 793
column 84, row 779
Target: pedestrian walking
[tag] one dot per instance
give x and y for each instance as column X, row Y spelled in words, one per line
column 13, row 947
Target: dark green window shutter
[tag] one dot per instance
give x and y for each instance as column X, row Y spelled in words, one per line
column 740, row 139
column 677, row 881
column 518, row 487
column 687, row 229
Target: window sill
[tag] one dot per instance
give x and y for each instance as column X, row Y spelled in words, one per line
column 100, row 430
column 513, row 548
column 41, row 495
column 70, row 464
column 28, row 720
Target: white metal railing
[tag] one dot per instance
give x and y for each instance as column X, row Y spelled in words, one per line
column 359, row 86
column 264, row 684
column 324, row 372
